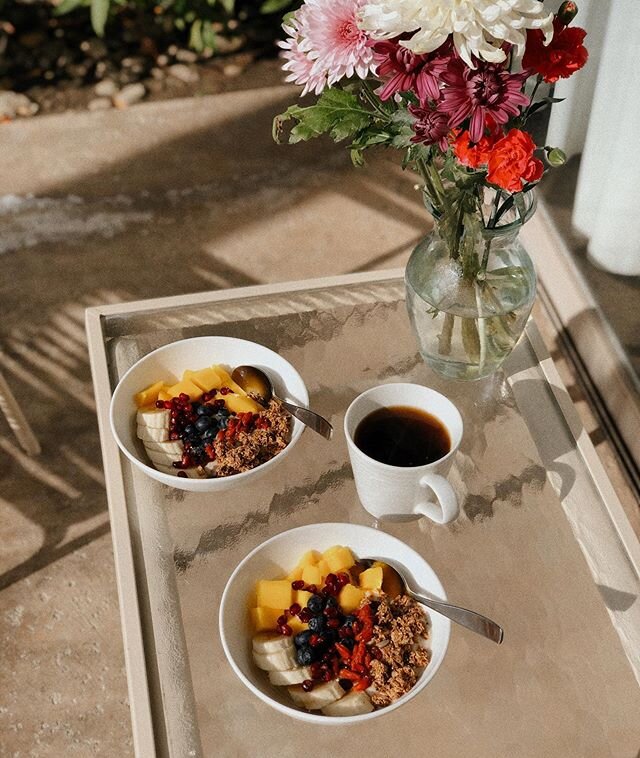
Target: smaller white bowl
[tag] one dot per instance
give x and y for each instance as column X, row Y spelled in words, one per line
column 167, row 363
column 276, row 557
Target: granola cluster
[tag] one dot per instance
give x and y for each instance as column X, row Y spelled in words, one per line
column 400, row 624
column 249, row 448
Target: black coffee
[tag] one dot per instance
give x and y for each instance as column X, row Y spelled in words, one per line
column 402, row 436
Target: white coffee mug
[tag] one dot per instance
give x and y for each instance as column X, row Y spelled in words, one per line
column 404, row 493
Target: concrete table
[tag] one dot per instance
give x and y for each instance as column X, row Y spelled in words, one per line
column 542, row 544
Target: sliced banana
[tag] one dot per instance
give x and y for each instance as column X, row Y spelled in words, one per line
column 352, row 704
column 150, row 434
column 192, row 473
column 156, row 418
column 161, row 458
column 172, row 447
column 319, row 697
column 293, row 676
column 282, row 660
column 269, row 642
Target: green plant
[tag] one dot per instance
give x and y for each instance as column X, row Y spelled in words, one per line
column 206, row 21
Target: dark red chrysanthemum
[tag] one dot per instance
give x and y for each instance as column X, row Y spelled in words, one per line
column 487, row 90
column 431, row 127
column 405, row 71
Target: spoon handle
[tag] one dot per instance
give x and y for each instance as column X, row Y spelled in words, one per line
column 313, row 420
column 472, row 620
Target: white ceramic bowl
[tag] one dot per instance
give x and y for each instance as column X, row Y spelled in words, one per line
column 276, row 557
column 168, row 363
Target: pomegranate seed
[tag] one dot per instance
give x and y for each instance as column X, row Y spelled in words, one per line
column 304, row 615
column 281, row 620
column 218, row 403
column 327, row 676
column 297, row 585
column 333, row 623
column 174, row 436
column 285, row 630
column 314, row 640
column 316, row 671
column 168, row 404
column 330, row 611
column 183, row 397
column 343, row 579
column 224, row 390
column 295, row 609
column 182, row 474
column 312, row 589
column 327, row 658
column 331, row 579
column 159, row 403
column 376, row 652
column 307, row 685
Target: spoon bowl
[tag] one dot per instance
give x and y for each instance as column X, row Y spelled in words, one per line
column 257, row 385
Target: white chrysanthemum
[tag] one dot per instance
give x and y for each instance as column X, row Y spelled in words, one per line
column 478, row 27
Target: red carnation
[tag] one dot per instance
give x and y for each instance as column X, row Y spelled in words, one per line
column 563, row 56
column 511, row 162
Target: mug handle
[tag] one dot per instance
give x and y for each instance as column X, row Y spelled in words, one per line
column 447, row 509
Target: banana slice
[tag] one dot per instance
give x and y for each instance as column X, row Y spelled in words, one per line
column 352, row 704
column 155, row 418
column 172, row 447
column 192, row 473
column 293, row 676
column 158, row 457
column 319, row 697
column 150, row 434
column 268, row 642
column 283, row 660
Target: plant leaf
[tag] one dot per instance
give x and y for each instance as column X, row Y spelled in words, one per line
column 273, row 6
column 68, row 5
column 337, row 113
column 99, row 14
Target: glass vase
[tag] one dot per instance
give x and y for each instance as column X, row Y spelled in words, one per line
column 470, row 291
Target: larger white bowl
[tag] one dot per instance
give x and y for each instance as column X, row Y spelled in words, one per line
column 276, row 557
column 167, row 363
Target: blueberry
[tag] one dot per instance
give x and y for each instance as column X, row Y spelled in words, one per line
column 204, row 410
column 331, row 602
column 302, row 638
column 348, row 621
column 315, row 604
column 304, row 656
column 189, row 430
column 348, row 642
column 204, row 422
column 316, row 624
column 330, row 636
column 209, row 435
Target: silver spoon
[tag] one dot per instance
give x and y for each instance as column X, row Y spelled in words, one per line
column 258, row 385
column 394, row 584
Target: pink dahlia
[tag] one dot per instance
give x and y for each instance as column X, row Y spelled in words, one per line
column 325, row 44
column 475, row 93
column 406, row 71
column 431, row 127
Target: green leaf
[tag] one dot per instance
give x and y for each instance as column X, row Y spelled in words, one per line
column 228, row 5
column 99, row 13
column 68, row 5
column 337, row 113
column 556, row 156
column 195, row 36
column 274, row 6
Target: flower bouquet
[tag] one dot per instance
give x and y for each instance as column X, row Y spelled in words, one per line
column 452, row 85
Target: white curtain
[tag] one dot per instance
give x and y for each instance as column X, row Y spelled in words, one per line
column 601, row 119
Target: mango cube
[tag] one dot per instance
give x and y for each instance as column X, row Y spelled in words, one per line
column 227, row 381
column 164, row 394
column 323, row 568
column 338, row 558
column 371, row 579
column 310, row 558
column 241, row 403
column 149, row 395
column 207, row 378
column 295, row 575
column 312, row 575
column 188, row 387
column 302, row 598
column 350, row 598
column 265, row 619
column 274, row 594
